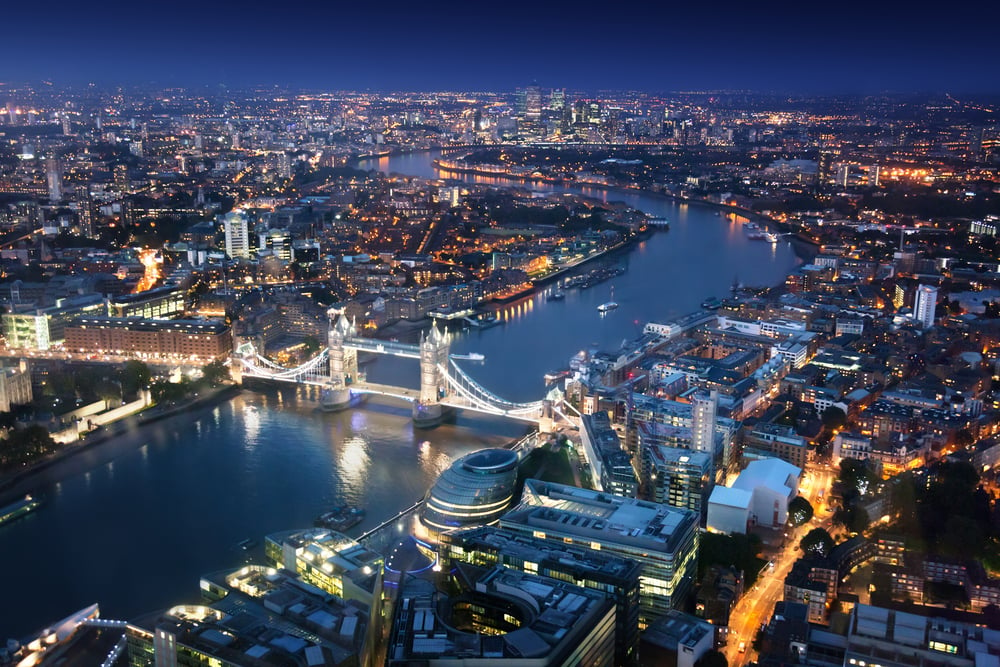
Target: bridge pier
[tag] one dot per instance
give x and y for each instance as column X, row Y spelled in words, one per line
column 546, row 423
column 429, row 415
column 334, row 399
column 434, row 349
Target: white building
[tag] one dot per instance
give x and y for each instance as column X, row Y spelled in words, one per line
column 759, row 496
column 729, row 510
column 924, row 305
column 237, row 234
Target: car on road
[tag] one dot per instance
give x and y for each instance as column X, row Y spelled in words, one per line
column 743, row 647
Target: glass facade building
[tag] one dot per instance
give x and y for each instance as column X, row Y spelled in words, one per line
column 474, row 491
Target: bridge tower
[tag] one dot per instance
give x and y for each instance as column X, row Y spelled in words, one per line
column 434, row 350
column 343, row 365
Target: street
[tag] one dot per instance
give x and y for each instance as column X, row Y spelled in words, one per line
column 757, row 604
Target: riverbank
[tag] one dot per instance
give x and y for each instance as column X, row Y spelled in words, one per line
column 804, row 249
column 17, row 483
column 407, row 329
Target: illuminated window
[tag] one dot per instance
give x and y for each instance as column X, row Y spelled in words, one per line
column 943, row 647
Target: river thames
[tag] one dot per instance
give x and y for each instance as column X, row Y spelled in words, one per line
column 133, row 523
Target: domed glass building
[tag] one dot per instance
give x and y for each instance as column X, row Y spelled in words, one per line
column 474, row 491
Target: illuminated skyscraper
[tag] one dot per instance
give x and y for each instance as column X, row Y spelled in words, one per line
column 54, row 173
column 557, row 100
column 703, row 409
column 924, row 305
column 843, row 174
column 85, row 211
column 824, row 168
column 121, row 178
column 533, row 101
column 873, row 175
column 528, row 101
column 237, row 234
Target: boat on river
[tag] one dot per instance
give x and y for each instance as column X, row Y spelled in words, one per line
column 16, row 510
column 608, row 305
column 471, row 356
column 247, row 544
column 340, row 518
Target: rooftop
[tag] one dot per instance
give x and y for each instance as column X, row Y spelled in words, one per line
column 676, row 630
column 774, row 474
column 602, row 516
column 564, row 557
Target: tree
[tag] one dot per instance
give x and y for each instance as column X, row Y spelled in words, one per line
column 854, row 480
column 135, row 375
column 215, row 373
column 817, row 542
column 739, row 551
column 25, row 445
column 799, row 511
column 852, row 517
column 311, row 345
column 712, row 658
column 834, row 418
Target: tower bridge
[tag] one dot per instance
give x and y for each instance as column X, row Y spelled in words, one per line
column 444, row 385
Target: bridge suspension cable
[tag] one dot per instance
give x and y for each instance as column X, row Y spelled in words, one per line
column 481, row 397
column 260, row 366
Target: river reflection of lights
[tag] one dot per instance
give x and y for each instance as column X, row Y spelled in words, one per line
column 354, row 460
column 251, row 418
column 433, row 461
column 359, row 421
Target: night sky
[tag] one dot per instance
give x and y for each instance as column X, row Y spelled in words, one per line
column 821, row 47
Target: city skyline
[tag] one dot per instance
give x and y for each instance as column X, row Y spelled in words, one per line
column 777, row 47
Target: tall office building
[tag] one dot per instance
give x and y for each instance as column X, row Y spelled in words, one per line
column 85, row 211
column 843, row 174
column 529, row 101
column 278, row 241
column 703, row 410
column 677, row 477
column 122, row 182
column 664, row 539
column 237, row 234
column 653, row 420
column 824, row 167
column 557, row 99
column 874, row 173
column 924, row 305
column 55, row 176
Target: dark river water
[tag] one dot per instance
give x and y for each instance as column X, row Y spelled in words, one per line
column 133, row 523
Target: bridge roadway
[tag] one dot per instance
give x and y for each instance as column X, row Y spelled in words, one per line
column 383, row 347
column 365, row 387
column 453, row 401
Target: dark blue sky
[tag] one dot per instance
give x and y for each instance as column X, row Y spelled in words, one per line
column 654, row 45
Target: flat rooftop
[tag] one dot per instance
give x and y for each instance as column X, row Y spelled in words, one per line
column 602, row 516
column 563, row 557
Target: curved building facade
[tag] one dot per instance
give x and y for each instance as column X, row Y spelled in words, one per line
column 475, row 490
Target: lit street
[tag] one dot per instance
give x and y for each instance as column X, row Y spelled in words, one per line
column 757, row 604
